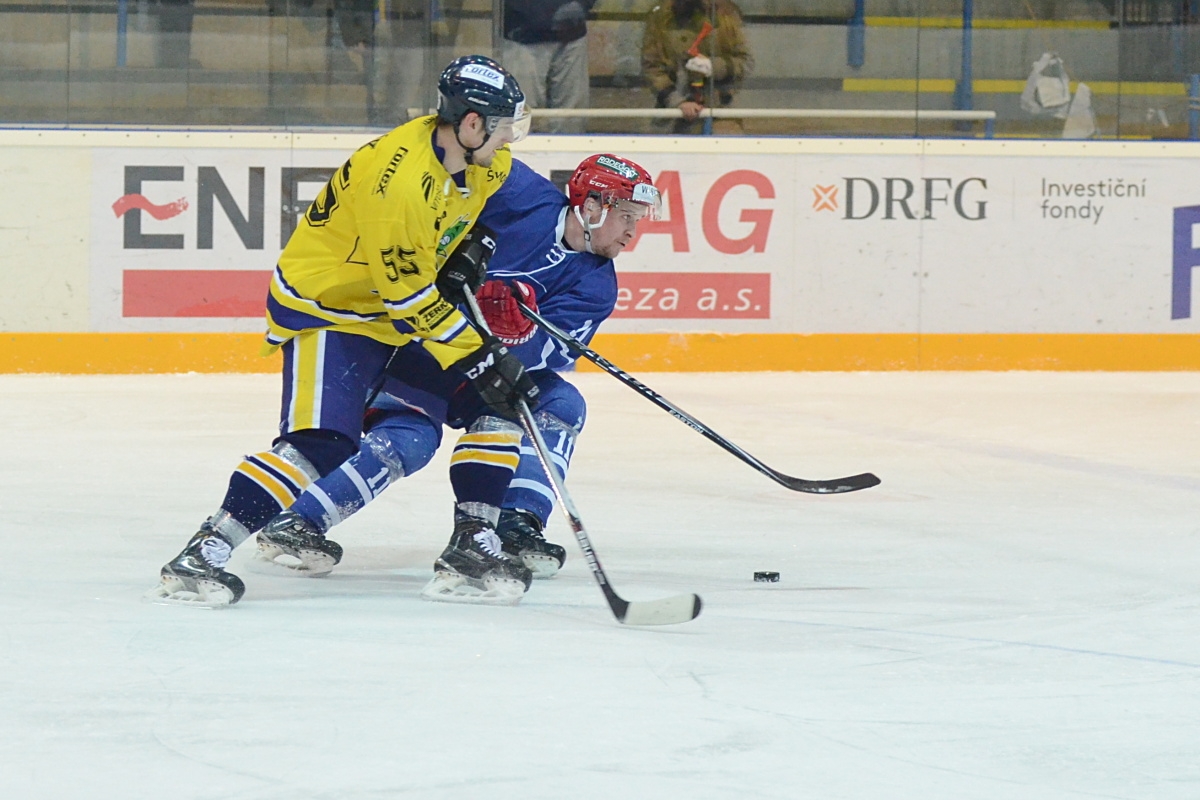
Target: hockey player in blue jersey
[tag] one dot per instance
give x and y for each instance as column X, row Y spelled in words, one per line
column 556, row 253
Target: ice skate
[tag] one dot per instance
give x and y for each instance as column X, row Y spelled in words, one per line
column 197, row 576
column 520, row 533
column 289, row 543
column 475, row 569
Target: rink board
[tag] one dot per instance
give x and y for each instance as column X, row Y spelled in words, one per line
column 152, row 250
column 148, row 353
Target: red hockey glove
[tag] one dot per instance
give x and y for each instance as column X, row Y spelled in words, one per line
column 502, row 313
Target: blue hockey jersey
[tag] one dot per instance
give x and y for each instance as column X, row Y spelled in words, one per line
column 575, row 291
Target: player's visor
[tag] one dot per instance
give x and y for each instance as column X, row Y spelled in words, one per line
column 646, row 201
column 513, row 128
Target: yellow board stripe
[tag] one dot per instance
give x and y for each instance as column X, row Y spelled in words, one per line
column 134, row 353
column 138, row 353
column 956, row 22
column 1138, row 88
column 933, row 85
column 714, row 352
column 269, row 482
column 990, row 86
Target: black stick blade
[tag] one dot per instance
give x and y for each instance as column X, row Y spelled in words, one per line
column 667, row 611
column 835, row 486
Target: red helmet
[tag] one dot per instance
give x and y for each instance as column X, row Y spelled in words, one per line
column 611, row 179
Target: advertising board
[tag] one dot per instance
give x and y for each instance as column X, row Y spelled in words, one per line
column 900, row 245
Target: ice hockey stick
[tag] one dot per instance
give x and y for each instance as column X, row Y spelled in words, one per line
column 665, row 611
column 833, row 486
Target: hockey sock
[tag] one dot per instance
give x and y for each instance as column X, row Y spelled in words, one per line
column 263, row 485
column 530, row 489
column 482, row 465
column 396, row 446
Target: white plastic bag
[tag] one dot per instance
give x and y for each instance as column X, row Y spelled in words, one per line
column 1048, row 89
column 1081, row 121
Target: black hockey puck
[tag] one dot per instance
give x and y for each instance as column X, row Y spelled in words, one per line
column 766, row 577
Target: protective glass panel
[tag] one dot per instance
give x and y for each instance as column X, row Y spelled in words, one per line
column 1004, row 68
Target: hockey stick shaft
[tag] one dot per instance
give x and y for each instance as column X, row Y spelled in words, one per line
column 619, row 606
column 835, row 486
column 663, row 612
column 382, row 379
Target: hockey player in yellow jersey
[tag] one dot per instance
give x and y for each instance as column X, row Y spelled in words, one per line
column 366, row 257
column 380, row 260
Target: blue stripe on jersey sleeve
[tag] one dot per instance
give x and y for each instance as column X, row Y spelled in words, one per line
column 304, row 319
column 402, row 326
column 291, row 319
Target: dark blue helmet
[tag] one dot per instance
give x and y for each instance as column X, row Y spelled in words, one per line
column 479, row 84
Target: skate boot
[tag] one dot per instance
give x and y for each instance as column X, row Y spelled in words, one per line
column 475, row 569
column 521, row 534
column 291, row 544
column 197, row 577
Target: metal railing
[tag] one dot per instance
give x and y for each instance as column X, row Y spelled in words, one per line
column 988, row 118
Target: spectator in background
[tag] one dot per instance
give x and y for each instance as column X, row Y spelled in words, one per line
column 356, row 23
column 545, row 48
column 707, row 76
column 175, row 32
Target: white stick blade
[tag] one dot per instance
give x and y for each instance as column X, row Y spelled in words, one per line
column 668, row 611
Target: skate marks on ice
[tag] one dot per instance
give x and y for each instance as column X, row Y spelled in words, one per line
column 402, row 576
column 985, row 642
column 1091, row 467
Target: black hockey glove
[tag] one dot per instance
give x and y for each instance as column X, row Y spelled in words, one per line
column 499, row 377
column 466, row 268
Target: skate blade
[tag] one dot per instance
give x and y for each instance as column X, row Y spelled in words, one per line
column 274, row 560
column 173, row 592
column 450, row 587
column 542, row 566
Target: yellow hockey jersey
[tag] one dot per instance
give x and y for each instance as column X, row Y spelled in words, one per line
column 364, row 258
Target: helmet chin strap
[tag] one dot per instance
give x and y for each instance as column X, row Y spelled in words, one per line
column 588, row 227
column 469, row 152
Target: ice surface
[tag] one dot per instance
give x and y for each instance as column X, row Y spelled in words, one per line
column 1014, row 613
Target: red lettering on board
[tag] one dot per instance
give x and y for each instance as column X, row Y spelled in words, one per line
column 195, row 292
column 693, row 295
column 758, row 218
